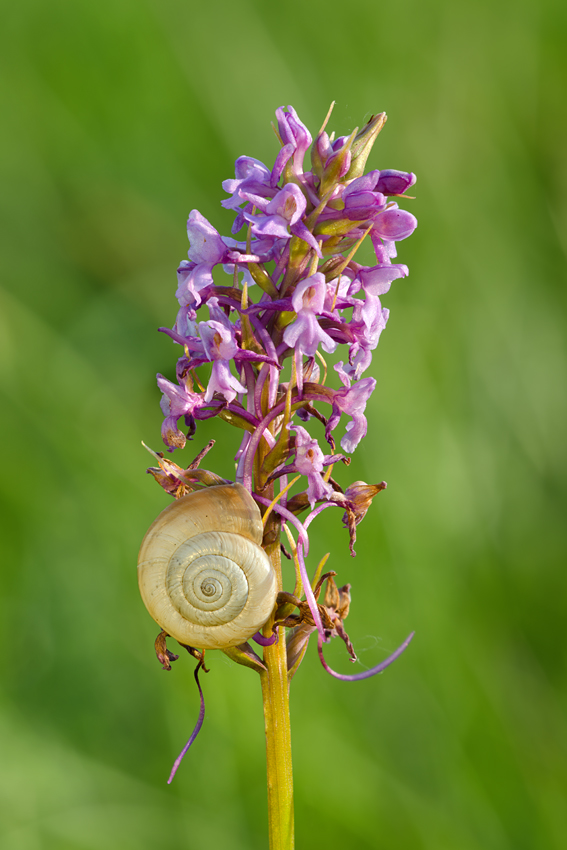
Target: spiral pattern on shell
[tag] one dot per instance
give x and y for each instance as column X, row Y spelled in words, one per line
column 203, row 575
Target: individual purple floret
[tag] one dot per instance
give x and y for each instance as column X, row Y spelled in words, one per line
column 248, row 172
column 309, row 461
column 394, row 224
column 394, row 182
column 281, row 213
column 220, row 348
column 352, row 400
column 305, row 334
column 177, row 401
column 296, row 139
column 208, row 249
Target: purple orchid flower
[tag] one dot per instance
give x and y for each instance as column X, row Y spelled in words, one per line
column 285, row 209
column 206, row 243
column 393, row 182
column 218, row 337
column 296, row 139
column 309, row 461
column 394, row 224
column 351, row 400
column 219, row 341
column 305, row 334
column 247, row 171
column 191, row 279
column 376, row 281
column 176, row 401
column 282, row 217
column 207, row 249
column 360, row 200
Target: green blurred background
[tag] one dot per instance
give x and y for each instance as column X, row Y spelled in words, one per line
column 123, row 115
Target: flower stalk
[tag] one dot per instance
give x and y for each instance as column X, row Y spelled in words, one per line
column 275, row 696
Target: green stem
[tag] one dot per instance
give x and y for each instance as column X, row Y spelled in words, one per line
column 275, row 694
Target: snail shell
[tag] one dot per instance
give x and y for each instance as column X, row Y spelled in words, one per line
column 203, row 575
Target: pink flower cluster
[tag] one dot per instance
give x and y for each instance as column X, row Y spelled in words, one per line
column 300, row 231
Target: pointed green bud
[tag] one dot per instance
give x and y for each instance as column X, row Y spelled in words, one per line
column 296, row 645
column 337, row 227
column 262, row 278
column 362, row 145
column 245, row 655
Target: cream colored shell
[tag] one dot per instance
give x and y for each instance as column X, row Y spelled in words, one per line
column 203, row 575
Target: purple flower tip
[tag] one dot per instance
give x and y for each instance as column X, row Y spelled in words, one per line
column 195, row 731
column 366, row 674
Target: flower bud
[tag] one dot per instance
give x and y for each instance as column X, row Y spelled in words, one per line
column 393, row 182
column 320, row 153
column 337, row 165
column 362, row 145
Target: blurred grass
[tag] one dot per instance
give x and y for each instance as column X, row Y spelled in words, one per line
column 122, row 117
